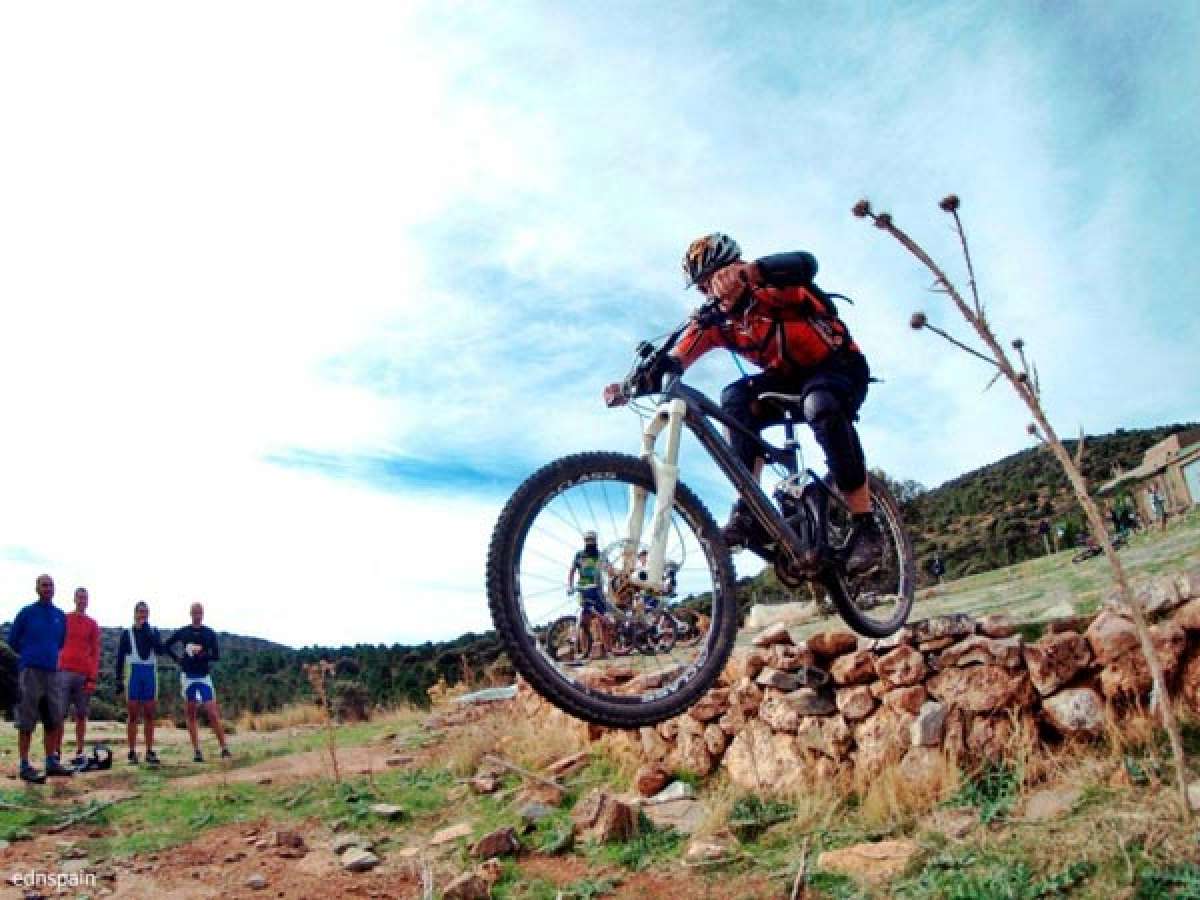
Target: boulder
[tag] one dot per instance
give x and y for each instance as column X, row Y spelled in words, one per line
column 908, row 699
column 781, row 681
column 929, row 725
column 1075, row 712
column 999, row 736
column 759, row 760
column 569, row 764
column 1129, row 676
column 1158, row 596
column 829, row 735
column 791, row 657
column 855, row 702
column 1189, row 682
column 1056, row 659
column 1188, row 583
column 468, row 886
column 981, row 688
column 501, row 842
column 715, row 740
column 388, row 810
column 828, row 644
column 356, row 859
column 344, row 842
column 882, row 739
column 857, row 667
column 705, row 850
column 649, row 780
column 875, row 863
column 654, row 748
column 775, row 634
column 954, row 627
column 711, row 706
column 901, row 667
column 1050, row 803
column 602, row 817
column 1187, row 616
column 485, row 784
column 450, row 834
column 691, row 753
column 684, row 815
column 980, row 650
column 997, row 625
column 676, row 790
column 1111, row 637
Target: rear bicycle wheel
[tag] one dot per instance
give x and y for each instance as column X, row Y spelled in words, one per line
column 532, row 549
column 876, row 604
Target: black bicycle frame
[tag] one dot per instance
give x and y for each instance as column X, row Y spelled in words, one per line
column 699, row 410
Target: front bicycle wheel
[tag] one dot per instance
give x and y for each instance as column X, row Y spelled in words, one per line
column 876, row 604
column 532, row 549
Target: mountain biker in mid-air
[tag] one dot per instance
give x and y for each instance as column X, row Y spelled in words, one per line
column 778, row 319
column 589, row 567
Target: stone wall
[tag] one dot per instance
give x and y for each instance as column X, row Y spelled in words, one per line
column 785, row 710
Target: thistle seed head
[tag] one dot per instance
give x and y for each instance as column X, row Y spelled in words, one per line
column 918, row 321
column 949, row 202
column 862, row 209
column 883, row 220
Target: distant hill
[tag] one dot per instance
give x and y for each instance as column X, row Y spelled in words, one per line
column 989, row 517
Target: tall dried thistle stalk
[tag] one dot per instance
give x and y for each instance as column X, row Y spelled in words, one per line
column 1025, row 383
column 318, row 674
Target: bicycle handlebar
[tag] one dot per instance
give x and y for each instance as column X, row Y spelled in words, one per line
column 650, row 360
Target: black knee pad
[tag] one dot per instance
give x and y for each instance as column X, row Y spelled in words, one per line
column 838, row 438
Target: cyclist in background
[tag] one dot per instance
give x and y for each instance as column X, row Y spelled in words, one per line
column 586, row 576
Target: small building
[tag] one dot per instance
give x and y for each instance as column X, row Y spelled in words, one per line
column 1172, row 467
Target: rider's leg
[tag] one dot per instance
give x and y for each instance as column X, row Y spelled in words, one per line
column 834, row 430
column 738, row 401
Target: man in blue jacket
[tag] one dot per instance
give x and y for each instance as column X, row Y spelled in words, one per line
column 37, row 635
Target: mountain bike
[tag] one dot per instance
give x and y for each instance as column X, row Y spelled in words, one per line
column 629, row 631
column 640, row 503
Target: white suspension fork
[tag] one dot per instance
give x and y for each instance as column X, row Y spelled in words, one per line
column 668, row 416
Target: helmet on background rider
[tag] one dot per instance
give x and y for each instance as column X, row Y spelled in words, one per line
column 590, row 538
column 708, row 254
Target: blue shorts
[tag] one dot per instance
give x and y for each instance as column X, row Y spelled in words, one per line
column 591, row 600
column 649, row 602
column 142, row 686
column 197, row 689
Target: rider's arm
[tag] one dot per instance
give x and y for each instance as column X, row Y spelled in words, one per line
column 694, row 343
column 571, row 573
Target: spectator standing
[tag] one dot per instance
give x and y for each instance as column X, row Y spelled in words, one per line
column 37, row 635
column 200, row 650
column 79, row 666
column 140, row 645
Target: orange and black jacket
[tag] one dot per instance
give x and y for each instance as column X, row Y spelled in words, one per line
column 787, row 325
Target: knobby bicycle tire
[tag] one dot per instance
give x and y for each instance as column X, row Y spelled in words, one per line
column 504, row 553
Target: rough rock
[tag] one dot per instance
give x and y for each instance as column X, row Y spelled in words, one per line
column 791, row 657
column 1050, row 803
column 691, row 753
column 1075, row 711
column 775, row 634
column 901, row 667
column 980, row 650
column 344, row 842
column 908, row 699
column 759, row 760
column 1158, row 595
column 468, row 886
column 1056, row 659
column 715, row 740
column 1129, row 676
column 649, row 780
column 808, row 702
column 780, row 715
column 780, row 681
column 540, row 792
column 1187, row 616
column 676, row 790
column 602, row 817
column 882, row 739
column 356, row 859
column 684, row 815
column 924, row 769
column 981, row 688
column 929, row 725
column 855, row 702
column 954, row 823
column 873, row 863
column 997, row 625
column 387, row 810
column 569, row 764
column 702, row 850
column 501, row 842
column 857, row 667
column 996, row 737
column 711, row 706
column 828, row 644
column 955, row 627
column 744, row 662
column 256, row 882
column 1111, row 637
column 485, row 784
column 450, row 834
column 654, row 748
column 532, row 813
column 1189, row 682
column 651, row 680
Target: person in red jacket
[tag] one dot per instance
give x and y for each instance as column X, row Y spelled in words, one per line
column 779, row 320
column 79, row 665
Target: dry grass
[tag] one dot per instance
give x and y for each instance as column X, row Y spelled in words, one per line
column 514, row 736
column 291, row 716
column 894, row 798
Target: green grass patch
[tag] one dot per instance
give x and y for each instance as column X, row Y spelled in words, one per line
column 993, row 790
column 991, row 877
column 651, row 846
column 1178, row 881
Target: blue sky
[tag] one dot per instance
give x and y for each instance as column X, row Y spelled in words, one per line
column 295, row 294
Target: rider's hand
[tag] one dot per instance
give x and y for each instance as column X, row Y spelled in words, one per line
column 614, row 395
column 730, row 283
